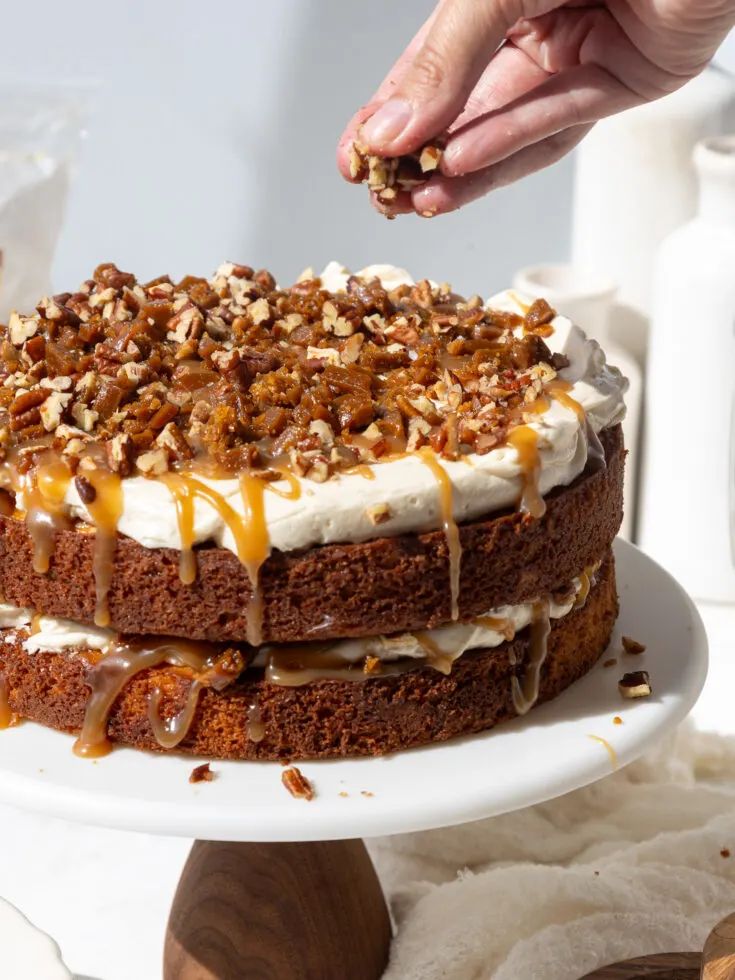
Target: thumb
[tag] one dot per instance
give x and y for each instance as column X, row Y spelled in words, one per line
column 444, row 70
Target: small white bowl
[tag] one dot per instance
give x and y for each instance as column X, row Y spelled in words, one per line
column 27, row 953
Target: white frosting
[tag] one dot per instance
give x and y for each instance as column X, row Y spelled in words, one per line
column 50, row 633
column 12, row 617
column 55, row 635
column 452, row 640
column 337, row 510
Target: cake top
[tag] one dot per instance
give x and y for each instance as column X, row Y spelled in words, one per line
column 249, row 375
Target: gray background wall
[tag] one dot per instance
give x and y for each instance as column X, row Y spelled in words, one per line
column 214, row 137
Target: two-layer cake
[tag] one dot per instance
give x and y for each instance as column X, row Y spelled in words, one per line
column 350, row 516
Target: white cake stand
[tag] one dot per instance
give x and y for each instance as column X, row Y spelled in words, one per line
column 276, row 908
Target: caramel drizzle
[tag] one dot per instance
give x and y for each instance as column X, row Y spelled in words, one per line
column 170, row 732
column 435, row 656
column 184, row 502
column 451, row 531
column 255, row 723
column 44, row 488
column 294, row 487
column 503, row 626
column 285, row 666
column 360, row 469
column 610, row 750
column 250, row 532
column 8, row 718
column 584, row 591
column 255, row 550
column 524, row 440
column 525, row 692
column 105, row 511
column 559, row 390
column 121, row 662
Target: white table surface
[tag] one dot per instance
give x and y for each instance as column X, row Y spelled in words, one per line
column 104, row 895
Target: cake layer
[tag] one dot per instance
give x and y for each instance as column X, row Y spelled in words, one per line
column 390, row 585
column 250, row 718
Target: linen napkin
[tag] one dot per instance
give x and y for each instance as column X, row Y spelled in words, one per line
column 641, row 862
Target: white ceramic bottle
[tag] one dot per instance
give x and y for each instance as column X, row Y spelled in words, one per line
column 685, row 512
column 634, row 185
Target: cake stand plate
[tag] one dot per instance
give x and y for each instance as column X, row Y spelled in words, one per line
column 293, row 909
column 554, row 750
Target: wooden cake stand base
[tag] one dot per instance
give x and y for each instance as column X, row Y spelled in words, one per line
column 278, row 912
column 316, row 910
column 716, row 963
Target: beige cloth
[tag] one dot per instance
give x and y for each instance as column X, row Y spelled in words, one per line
column 631, row 865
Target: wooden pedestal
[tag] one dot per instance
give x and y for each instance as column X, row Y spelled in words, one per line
column 278, row 912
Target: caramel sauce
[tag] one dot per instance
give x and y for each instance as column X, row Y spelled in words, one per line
column 360, row 469
column 524, row 440
column 105, row 510
column 184, row 503
column 170, row 732
column 294, row 487
column 121, row 661
column 293, row 665
column 584, row 591
column 296, row 665
column 8, row 718
column 250, row 531
column 435, row 656
column 525, row 691
column 503, row 626
column 44, row 487
column 256, row 726
column 610, row 750
column 451, row 531
column 255, row 551
column 559, row 391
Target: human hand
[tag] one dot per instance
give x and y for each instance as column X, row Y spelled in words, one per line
column 516, row 84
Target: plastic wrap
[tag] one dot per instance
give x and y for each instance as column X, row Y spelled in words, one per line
column 41, row 127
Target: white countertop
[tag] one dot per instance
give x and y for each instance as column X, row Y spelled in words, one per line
column 104, row 895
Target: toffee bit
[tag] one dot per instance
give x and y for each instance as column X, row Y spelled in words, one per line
column 633, row 646
column 202, row 774
column 725, row 852
column 365, row 792
column 297, row 784
column 637, row 684
column 612, row 662
column 617, row 720
column 87, row 493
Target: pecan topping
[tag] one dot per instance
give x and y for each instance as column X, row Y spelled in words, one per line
column 633, row 646
column 387, row 176
column 202, row 774
column 297, row 784
column 249, row 374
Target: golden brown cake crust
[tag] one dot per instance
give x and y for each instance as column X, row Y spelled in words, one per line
column 341, row 590
column 328, row 718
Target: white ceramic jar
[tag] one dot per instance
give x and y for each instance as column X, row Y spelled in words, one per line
column 634, row 184
column 686, row 501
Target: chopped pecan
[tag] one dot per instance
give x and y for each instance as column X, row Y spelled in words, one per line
column 297, row 784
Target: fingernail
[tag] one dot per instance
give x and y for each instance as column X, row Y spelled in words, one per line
column 387, row 124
